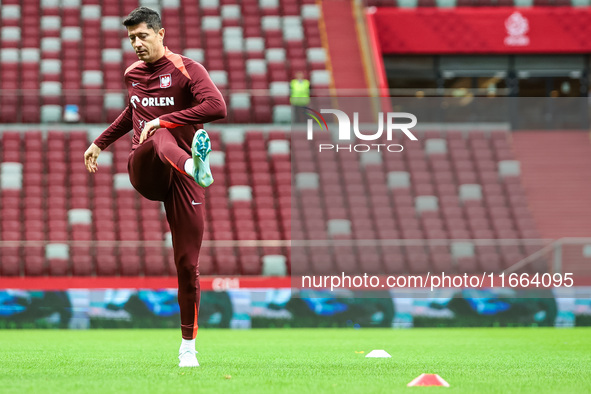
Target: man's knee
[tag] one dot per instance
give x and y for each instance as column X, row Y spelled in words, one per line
column 148, row 175
column 188, row 273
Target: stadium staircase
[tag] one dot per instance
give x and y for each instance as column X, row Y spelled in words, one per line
column 556, row 168
column 343, row 46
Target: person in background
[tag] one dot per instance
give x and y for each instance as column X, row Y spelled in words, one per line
column 299, row 96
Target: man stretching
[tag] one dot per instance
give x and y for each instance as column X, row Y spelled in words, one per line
column 170, row 97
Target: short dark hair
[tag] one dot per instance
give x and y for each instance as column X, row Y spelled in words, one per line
column 144, row 14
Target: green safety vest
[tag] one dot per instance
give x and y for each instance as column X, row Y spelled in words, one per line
column 300, row 92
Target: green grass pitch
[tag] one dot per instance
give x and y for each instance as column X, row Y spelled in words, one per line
column 499, row 360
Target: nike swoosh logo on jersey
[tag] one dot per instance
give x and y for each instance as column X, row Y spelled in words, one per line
column 195, row 203
column 135, row 83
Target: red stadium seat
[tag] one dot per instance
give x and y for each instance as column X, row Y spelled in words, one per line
column 106, row 265
column 251, row 265
column 58, row 267
column 10, row 261
column 154, row 262
column 34, row 261
column 82, row 262
column 227, row 265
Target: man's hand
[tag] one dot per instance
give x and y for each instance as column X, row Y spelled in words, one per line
column 149, row 129
column 90, row 157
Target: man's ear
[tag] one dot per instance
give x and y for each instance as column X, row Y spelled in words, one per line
column 161, row 33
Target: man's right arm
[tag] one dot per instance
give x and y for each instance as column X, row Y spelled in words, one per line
column 121, row 126
column 117, row 129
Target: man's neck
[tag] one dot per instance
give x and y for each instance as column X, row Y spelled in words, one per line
column 161, row 54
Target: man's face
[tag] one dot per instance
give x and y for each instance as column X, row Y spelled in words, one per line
column 148, row 44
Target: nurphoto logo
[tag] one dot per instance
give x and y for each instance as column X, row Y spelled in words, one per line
column 345, row 135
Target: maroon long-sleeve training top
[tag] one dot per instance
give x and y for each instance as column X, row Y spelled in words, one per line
column 175, row 89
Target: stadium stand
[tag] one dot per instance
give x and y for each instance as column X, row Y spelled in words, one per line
column 449, row 185
column 47, row 196
column 472, row 3
column 461, row 192
column 246, row 48
column 469, row 190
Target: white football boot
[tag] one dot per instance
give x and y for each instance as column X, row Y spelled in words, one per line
column 200, row 149
column 187, row 358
